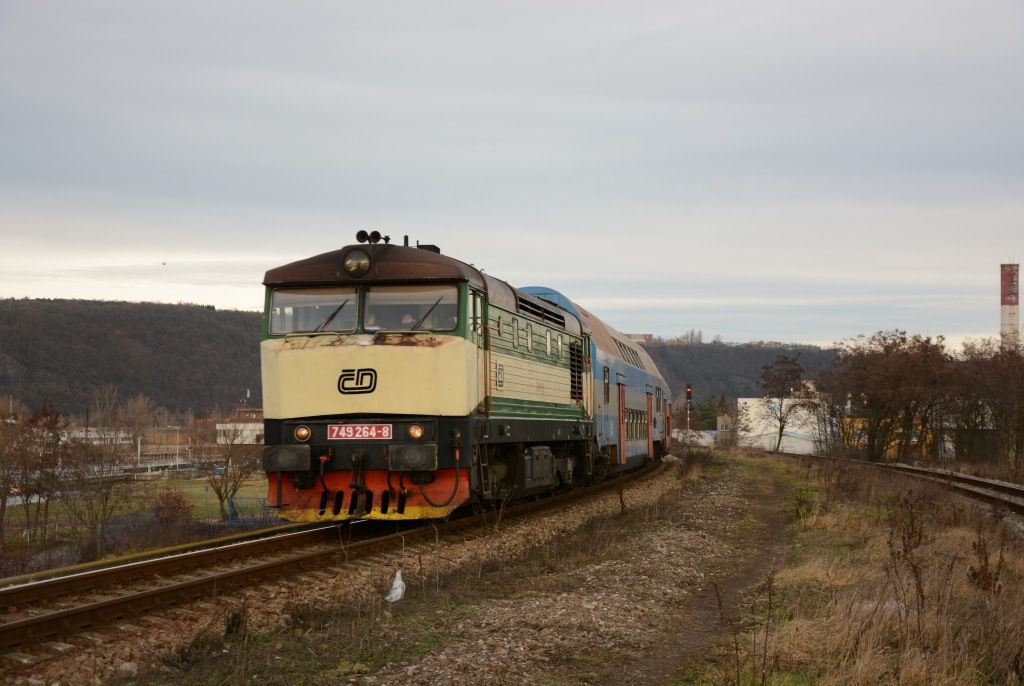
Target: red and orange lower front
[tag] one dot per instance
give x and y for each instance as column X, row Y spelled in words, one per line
column 380, row 494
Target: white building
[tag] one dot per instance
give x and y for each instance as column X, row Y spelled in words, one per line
column 759, row 429
column 245, row 428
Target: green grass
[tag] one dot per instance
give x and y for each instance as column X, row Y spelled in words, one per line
column 202, row 497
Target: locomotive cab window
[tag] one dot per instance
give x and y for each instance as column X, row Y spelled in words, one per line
column 411, row 308
column 313, row 310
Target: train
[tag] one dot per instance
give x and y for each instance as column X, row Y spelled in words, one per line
column 401, row 383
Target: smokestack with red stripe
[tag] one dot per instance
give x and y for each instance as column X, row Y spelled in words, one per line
column 1009, row 326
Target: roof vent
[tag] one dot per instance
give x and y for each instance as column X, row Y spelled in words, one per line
column 431, row 248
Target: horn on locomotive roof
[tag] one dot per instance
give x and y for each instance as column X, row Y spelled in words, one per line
column 372, row 237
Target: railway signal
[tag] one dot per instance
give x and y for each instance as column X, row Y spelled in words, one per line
column 689, row 405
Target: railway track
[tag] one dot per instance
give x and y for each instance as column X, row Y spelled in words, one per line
column 1001, row 493
column 47, row 612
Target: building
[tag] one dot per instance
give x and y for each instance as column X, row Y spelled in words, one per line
column 757, row 428
column 244, row 428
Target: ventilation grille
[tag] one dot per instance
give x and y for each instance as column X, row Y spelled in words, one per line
column 538, row 310
column 576, row 371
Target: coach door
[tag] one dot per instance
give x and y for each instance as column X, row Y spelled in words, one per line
column 650, row 425
column 622, row 423
column 668, row 425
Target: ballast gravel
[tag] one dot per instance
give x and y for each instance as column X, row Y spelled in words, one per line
column 618, row 607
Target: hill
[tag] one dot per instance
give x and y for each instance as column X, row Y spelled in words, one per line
column 732, row 370
column 181, row 356
column 193, row 357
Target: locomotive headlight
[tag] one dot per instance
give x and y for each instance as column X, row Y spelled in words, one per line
column 302, row 433
column 415, row 432
column 356, row 263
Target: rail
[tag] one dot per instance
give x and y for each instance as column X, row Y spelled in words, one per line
column 322, row 547
column 1002, row 493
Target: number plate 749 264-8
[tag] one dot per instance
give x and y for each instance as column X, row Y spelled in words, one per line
column 359, row 432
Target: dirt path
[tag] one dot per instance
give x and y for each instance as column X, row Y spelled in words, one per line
column 629, row 600
column 760, row 547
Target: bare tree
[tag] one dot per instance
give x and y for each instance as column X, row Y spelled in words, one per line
column 227, row 458
column 989, row 406
column 887, row 393
column 11, row 407
column 137, row 413
column 38, row 454
column 10, row 438
column 96, row 488
column 781, row 383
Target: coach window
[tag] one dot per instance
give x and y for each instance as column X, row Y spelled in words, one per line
column 313, row 310
column 607, row 386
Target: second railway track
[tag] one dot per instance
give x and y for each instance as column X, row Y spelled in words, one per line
column 1002, row 493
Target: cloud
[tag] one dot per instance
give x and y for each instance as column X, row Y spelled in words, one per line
column 834, row 164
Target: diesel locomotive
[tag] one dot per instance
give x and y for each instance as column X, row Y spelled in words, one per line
column 400, row 383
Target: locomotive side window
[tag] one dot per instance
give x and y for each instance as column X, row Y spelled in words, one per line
column 607, row 386
column 411, row 308
column 477, row 314
column 312, row 310
column 515, row 332
column 529, row 337
column 547, row 336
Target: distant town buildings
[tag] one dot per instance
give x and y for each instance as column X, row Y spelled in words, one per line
column 245, row 428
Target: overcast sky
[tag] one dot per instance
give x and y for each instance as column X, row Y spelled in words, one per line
column 789, row 170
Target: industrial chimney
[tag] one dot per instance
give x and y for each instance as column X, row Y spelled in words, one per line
column 1009, row 323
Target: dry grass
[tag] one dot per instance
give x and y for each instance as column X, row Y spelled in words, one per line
column 894, row 582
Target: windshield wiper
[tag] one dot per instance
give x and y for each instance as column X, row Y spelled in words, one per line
column 332, row 316
column 427, row 314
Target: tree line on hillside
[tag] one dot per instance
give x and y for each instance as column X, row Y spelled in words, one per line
column 189, row 358
column 720, row 373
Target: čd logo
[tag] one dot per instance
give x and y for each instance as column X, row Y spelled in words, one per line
column 353, row 381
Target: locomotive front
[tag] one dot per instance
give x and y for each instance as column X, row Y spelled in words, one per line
column 372, row 364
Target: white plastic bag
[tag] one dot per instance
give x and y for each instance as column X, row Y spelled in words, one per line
column 397, row 589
